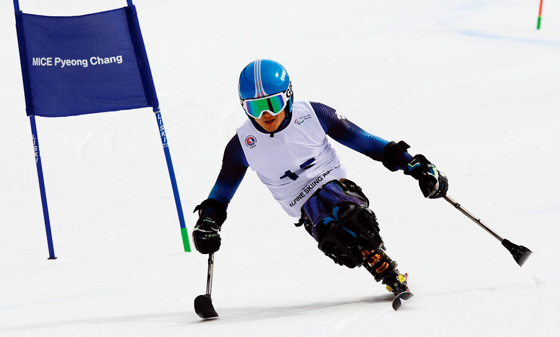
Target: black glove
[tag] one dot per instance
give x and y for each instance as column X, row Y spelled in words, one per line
column 206, row 235
column 433, row 183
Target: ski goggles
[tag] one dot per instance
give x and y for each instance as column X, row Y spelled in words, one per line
column 273, row 104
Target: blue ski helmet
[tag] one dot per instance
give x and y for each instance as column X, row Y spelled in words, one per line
column 264, row 78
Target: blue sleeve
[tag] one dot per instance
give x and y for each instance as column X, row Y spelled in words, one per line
column 349, row 134
column 234, row 167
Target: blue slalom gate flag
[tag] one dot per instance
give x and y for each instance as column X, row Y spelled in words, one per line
column 84, row 64
column 92, row 63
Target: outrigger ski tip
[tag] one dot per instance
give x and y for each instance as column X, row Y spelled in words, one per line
column 203, row 303
column 204, row 308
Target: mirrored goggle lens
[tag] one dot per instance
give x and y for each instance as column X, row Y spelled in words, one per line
column 273, row 104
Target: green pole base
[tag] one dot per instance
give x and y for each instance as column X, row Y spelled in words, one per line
column 186, row 243
column 539, row 23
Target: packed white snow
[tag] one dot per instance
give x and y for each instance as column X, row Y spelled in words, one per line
column 473, row 85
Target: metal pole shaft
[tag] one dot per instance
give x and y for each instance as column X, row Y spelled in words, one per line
column 42, row 186
column 210, row 275
column 39, row 165
column 163, row 135
column 472, row 217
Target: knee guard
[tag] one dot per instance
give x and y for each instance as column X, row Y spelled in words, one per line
column 345, row 241
column 327, row 205
column 351, row 188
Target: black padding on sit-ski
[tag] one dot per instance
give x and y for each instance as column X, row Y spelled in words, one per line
column 347, row 251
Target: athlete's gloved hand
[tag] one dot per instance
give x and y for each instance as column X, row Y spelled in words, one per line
column 206, row 236
column 206, row 233
column 433, row 183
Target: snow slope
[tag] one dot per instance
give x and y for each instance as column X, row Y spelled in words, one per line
column 470, row 84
